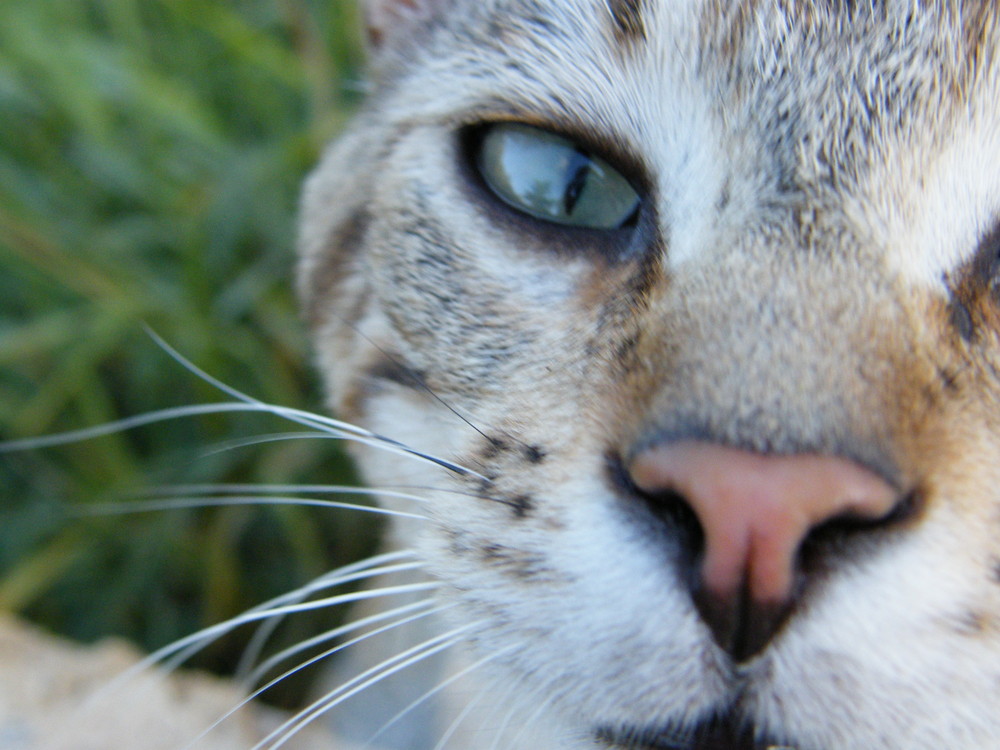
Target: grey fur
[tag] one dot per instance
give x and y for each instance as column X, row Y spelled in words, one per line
column 819, row 178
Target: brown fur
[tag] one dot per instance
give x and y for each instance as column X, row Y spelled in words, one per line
column 800, row 279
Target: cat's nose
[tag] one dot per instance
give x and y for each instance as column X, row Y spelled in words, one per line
column 755, row 511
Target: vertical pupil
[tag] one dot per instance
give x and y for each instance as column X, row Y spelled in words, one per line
column 577, row 172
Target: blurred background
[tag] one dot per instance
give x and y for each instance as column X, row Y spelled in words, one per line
column 151, row 153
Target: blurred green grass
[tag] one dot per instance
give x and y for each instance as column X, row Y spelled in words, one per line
column 151, row 153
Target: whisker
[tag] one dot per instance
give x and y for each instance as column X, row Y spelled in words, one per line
column 377, row 441
column 191, row 367
column 263, row 439
column 381, row 491
column 375, row 562
column 182, row 503
column 453, row 727
column 329, row 652
column 190, row 644
column 128, row 423
column 422, row 385
column 327, row 426
column 438, row 688
column 205, row 500
column 268, row 626
column 429, row 391
column 184, row 648
column 303, row 489
column 261, row 669
column 363, row 681
column 395, row 491
column 543, row 706
column 308, row 418
column 513, row 705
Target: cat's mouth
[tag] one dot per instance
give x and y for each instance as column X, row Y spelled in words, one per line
column 721, row 733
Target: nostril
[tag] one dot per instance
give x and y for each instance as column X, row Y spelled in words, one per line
column 748, row 519
column 738, row 626
column 832, row 537
column 670, row 507
column 676, row 512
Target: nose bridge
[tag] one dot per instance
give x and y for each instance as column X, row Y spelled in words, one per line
column 773, row 351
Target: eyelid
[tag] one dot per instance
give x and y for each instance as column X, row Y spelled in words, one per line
column 551, row 177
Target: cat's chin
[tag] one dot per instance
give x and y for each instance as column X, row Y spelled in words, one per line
column 722, row 733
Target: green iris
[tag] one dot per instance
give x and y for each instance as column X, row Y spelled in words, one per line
column 552, row 178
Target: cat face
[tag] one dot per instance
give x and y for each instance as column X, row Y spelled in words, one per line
column 705, row 299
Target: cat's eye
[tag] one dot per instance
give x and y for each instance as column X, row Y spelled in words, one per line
column 550, row 177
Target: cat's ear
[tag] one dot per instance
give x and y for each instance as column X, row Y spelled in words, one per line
column 387, row 21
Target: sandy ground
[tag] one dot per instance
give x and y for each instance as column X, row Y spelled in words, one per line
column 55, row 695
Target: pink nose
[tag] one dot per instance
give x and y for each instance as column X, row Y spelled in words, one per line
column 755, row 511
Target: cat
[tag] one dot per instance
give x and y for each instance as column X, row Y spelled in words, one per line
column 668, row 334
column 697, row 304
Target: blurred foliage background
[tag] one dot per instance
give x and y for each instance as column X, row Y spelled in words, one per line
column 151, row 153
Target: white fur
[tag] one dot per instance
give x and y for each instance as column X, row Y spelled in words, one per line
column 794, row 314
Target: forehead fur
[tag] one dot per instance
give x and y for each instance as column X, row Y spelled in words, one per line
column 874, row 61
column 888, row 56
column 801, row 111
column 823, row 91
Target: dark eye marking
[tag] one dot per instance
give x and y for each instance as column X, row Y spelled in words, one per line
column 995, row 571
column 961, row 319
column 975, row 289
column 987, row 262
